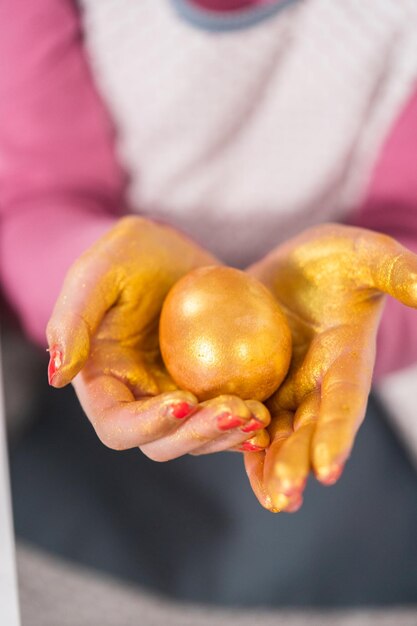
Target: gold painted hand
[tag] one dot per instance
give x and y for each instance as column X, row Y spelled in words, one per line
column 331, row 282
column 103, row 336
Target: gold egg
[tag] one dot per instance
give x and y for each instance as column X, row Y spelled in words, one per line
column 222, row 332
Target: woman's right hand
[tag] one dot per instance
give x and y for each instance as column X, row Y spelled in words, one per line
column 103, row 336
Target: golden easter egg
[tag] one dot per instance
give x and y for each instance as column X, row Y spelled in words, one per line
column 222, row 332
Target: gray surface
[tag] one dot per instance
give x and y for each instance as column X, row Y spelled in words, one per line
column 193, row 529
column 53, row 592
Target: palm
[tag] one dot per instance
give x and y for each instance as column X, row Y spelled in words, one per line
column 124, row 280
column 127, row 342
column 104, row 337
column 330, row 282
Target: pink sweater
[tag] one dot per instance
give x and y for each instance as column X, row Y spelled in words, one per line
column 61, row 185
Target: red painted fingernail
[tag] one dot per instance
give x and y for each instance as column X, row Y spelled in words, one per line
column 250, row 447
column 294, row 506
column 226, row 421
column 330, row 475
column 55, row 362
column 180, row 410
column 253, row 424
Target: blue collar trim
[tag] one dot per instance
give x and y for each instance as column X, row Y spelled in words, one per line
column 216, row 21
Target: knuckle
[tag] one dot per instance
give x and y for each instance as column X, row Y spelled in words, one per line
column 197, row 453
column 110, row 439
column 159, row 456
column 235, row 404
column 259, row 411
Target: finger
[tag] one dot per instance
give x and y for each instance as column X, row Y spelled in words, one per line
column 250, row 437
column 91, row 287
column 124, row 363
column 301, row 378
column 344, row 395
column 254, row 465
column 288, row 464
column 235, row 442
column 294, row 504
column 280, row 428
column 394, row 269
column 120, row 421
column 212, row 420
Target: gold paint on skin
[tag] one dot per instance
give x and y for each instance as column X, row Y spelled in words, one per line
column 269, row 505
column 280, row 501
column 259, row 412
column 113, row 295
column 261, row 439
column 222, row 332
column 330, row 281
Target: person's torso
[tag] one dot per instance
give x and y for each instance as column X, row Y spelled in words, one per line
column 244, row 136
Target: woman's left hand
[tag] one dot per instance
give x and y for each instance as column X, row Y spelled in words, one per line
column 103, row 337
column 330, row 281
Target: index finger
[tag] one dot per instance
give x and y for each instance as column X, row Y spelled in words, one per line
column 91, row 287
column 122, row 422
column 393, row 267
column 344, row 396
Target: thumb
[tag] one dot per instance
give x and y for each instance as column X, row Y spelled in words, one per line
column 395, row 273
column 91, row 287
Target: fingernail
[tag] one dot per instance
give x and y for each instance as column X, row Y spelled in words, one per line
column 180, row 410
column 226, row 421
column 55, row 362
column 330, row 474
column 246, row 446
column 253, row 424
column 295, row 506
